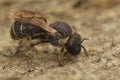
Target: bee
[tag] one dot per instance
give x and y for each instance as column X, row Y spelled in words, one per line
column 46, row 29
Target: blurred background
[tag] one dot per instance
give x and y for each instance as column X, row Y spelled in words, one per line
column 98, row 20
column 76, row 12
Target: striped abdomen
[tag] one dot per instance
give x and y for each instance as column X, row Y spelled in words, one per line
column 22, row 30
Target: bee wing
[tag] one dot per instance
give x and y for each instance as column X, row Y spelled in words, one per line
column 36, row 18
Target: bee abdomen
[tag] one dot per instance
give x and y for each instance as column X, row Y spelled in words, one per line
column 15, row 30
column 21, row 30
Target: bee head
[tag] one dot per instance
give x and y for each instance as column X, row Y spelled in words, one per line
column 74, row 44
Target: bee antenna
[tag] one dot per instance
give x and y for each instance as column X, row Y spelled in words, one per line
column 84, row 50
column 84, row 40
column 83, row 46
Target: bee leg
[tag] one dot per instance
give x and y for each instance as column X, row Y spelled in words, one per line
column 84, row 50
column 39, row 42
column 19, row 47
column 60, row 56
column 24, row 45
column 28, row 38
column 60, row 59
column 22, row 48
column 35, row 43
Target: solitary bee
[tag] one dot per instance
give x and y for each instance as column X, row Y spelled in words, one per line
column 46, row 29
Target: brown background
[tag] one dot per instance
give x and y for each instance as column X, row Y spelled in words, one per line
column 98, row 20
